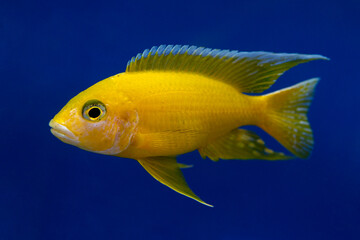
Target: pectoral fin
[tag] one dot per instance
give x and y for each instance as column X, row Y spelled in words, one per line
column 166, row 170
column 240, row 144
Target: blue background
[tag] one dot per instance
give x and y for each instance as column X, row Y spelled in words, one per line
column 51, row 50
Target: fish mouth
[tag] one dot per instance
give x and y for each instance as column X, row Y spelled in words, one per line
column 63, row 133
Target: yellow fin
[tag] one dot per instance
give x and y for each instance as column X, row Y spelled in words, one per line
column 286, row 118
column 166, row 170
column 240, row 144
column 249, row 72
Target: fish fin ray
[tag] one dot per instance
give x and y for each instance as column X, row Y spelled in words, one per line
column 249, row 72
column 286, row 117
column 240, row 144
column 182, row 165
column 167, row 171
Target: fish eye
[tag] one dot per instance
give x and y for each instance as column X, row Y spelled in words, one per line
column 94, row 110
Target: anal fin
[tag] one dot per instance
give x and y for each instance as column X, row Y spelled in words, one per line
column 167, row 171
column 240, row 144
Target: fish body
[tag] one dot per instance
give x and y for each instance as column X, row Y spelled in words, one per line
column 182, row 112
column 176, row 99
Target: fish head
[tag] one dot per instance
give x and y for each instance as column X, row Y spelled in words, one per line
column 98, row 119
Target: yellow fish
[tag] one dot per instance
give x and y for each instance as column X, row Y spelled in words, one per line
column 176, row 99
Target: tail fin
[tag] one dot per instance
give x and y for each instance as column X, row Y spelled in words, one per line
column 286, row 118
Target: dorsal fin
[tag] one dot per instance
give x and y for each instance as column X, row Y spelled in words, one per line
column 250, row 72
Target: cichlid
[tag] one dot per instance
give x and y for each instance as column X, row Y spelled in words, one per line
column 176, row 99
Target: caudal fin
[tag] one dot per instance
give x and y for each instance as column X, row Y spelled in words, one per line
column 286, row 118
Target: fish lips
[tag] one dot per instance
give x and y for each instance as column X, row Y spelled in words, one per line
column 63, row 133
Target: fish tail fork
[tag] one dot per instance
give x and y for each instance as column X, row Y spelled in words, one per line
column 285, row 117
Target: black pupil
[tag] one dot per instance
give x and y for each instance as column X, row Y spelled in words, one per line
column 94, row 112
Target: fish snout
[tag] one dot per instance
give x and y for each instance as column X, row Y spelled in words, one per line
column 63, row 133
